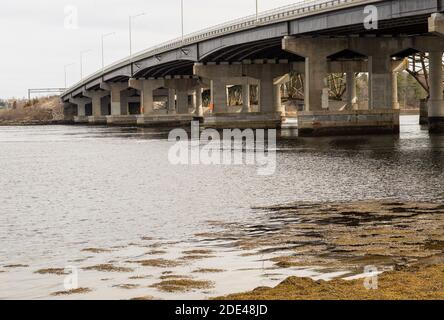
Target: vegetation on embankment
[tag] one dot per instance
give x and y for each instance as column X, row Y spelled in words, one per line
column 413, row 283
column 342, row 241
column 45, row 110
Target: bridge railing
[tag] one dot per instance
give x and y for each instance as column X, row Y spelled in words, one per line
column 299, row 9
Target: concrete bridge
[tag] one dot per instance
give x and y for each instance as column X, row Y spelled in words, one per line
column 311, row 38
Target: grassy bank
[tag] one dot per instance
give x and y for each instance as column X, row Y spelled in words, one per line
column 38, row 111
column 414, row 283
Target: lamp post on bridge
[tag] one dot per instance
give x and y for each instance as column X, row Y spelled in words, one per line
column 81, row 62
column 181, row 19
column 103, row 53
column 131, row 18
column 257, row 11
column 66, row 67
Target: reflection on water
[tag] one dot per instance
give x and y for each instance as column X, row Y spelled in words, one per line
column 64, row 189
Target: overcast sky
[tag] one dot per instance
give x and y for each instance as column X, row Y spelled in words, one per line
column 38, row 39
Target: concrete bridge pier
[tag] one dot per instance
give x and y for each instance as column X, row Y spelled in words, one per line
column 219, row 96
column 146, row 89
column 395, row 98
column 171, row 102
column 119, row 104
column 198, row 103
column 81, row 109
column 352, row 100
column 436, row 101
column 269, row 93
column 149, row 116
column 69, row 110
column 100, row 105
column 380, row 81
column 267, row 74
column 246, row 95
column 318, row 117
column 182, row 102
column 185, row 86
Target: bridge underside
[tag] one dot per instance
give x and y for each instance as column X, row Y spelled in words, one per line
column 407, row 26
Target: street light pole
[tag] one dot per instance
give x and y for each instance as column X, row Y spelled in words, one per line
column 130, row 32
column 181, row 18
column 81, row 62
column 66, row 67
column 103, row 51
column 257, row 11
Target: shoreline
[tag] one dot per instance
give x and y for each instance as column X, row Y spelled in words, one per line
column 401, row 242
column 411, row 283
column 35, row 123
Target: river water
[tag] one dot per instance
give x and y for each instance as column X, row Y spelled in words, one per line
column 64, row 189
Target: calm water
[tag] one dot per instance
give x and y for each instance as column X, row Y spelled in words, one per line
column 64, row 189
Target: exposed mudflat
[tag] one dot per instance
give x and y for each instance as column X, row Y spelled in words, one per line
column 406, row 240
column 342, row 235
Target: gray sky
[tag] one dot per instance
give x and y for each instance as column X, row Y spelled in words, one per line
column 36, row 45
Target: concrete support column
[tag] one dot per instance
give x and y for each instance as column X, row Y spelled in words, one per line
column 106, row 105
column 380, row 82
column 436, row 105
column 270, row 96
column 81, row 105
column 395, row 100
column 171, row 101
column 96, row 99
column 351, row 90
column 146, row 88
column 198, row 103
column 267, row 95
column 96, row 105
column 70, row 111
column 116, row 107
column 277, row 98
column 124, row 97
column 219, row 93
column 316, row 86
column 118, row 97
column 81, row 110
column 182, row 102
column 246, row 98
column 146, row 98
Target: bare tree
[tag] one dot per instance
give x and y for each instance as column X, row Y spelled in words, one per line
column 419, row 69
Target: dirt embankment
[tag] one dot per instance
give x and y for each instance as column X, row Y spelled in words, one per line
column 46, row 110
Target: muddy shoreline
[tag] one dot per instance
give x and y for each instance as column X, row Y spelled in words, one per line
column 401, row 240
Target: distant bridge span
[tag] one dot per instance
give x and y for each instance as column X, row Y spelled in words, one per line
column 267, row 38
